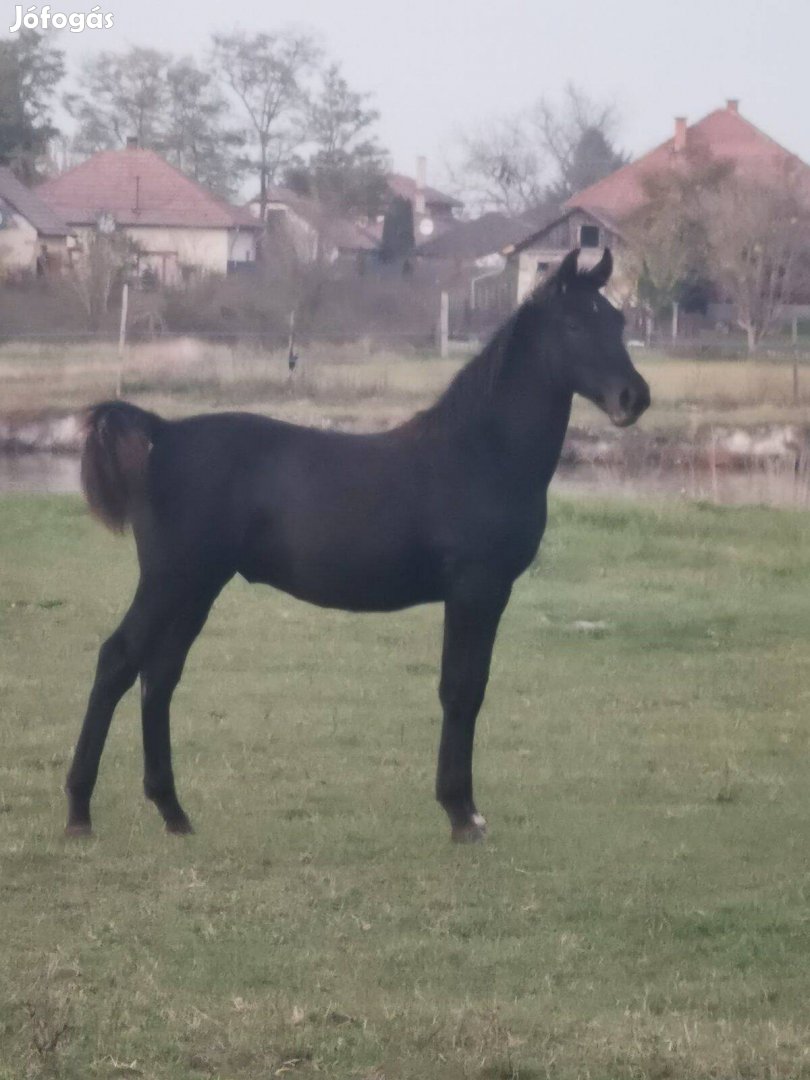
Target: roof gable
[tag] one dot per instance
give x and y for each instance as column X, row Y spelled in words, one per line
column 138, row 188
column 603, row 219
column 722, row 135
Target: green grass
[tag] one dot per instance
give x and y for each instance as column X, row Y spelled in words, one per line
column 640, row 911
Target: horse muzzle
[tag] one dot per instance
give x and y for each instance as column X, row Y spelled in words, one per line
column 627, row 402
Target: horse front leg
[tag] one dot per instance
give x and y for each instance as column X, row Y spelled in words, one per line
column 470, row 624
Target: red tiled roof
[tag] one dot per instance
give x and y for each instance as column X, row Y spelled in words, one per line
column 722, row 135
column 138, row 188
column 405, row 186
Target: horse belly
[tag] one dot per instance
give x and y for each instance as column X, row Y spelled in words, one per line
column 367, row 570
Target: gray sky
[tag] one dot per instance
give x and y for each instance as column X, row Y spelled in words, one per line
column 439, row 66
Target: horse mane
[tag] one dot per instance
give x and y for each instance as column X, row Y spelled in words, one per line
column 471, row 389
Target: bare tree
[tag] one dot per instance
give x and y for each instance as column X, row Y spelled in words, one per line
column 501, row 167
column 759, row 247
column 104, row 262
column 267, row 75
column 577, row 134
column 120, row 96
column 166, row 104
column 539, row 157
column 196, row 136
column 344, row 167
column 667, row 252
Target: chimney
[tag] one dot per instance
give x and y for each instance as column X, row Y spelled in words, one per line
column 132, row 142
column 680, row 134
column 421, row 178
column 733, row 104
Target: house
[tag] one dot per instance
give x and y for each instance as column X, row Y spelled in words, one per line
column 33, row 238
column 537, row 255
column 433, row 210
column 723, row 135
column 467, row 260
column 177, row 228
column 479, row 242
column 309, row 230
column 595, row 216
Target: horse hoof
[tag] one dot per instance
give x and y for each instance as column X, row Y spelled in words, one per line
column 79, row 831
column 180, row 827
column 471, row 832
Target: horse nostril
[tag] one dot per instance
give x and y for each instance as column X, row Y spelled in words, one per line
column 624, row 399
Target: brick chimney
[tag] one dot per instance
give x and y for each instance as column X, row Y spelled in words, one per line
column 733, row 104
column 421, row 180
column 680, row 134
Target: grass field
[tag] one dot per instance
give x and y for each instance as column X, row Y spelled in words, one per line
column 640, row 911
column 354, row 386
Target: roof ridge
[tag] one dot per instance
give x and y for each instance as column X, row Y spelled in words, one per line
column 579, row 198
column 171, row 193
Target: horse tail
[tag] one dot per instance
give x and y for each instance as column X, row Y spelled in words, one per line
column 118, row 438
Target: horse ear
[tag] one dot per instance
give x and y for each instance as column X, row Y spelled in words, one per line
column 567, row 271
column 600, row 275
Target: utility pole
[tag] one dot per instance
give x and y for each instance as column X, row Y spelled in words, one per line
column 122, row 339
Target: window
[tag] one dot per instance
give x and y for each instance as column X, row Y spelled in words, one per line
column 589, row 236
column 542, row 267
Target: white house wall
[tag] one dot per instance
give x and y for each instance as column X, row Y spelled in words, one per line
column 19, row 245
column 167, row 250
column 203, row 249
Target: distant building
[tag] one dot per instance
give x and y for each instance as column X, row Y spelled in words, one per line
column 33, row 238
column 310, row 231
column 433, row 210
column 538, row 254
column 595, row 217
column 178, row 228
column 723, row 135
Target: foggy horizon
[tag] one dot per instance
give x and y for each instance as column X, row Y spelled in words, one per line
column 437, row 70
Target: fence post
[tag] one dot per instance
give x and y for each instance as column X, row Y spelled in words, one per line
column 675, row 313
column 122, row 339
column 443, row 329
column 794, row 337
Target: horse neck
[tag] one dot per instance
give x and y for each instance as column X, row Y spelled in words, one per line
column 530, row 411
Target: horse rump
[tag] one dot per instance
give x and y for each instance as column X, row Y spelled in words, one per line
column 115, row 457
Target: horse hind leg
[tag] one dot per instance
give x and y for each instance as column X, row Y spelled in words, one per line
column 160, row 674
column 119, row 661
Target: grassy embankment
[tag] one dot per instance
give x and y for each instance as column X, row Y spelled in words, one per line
column 355, row 387
column 640, row 911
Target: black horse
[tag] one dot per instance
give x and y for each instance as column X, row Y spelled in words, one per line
column 450, row 506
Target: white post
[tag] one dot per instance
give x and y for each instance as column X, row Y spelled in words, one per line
column 794, row 337
column 122, row 339
column 675, row 313
column 443, row 334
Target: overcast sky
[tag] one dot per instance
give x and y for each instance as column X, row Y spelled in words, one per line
column 439, row 66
